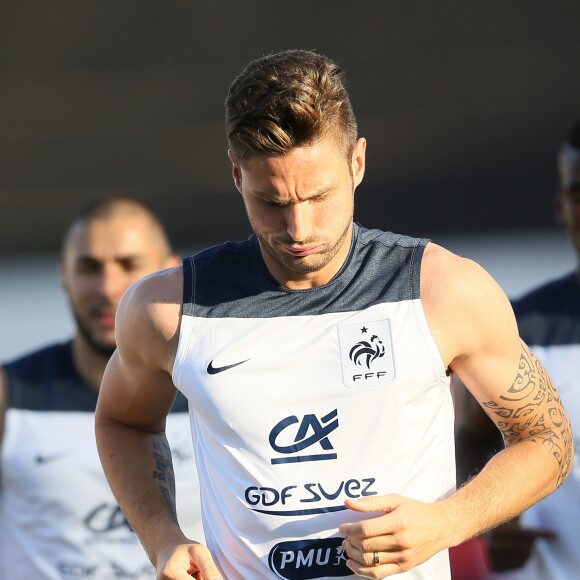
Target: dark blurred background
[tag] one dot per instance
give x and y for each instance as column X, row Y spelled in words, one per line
column 463, row 104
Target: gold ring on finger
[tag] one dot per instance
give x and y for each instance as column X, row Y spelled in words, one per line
column 375, row 558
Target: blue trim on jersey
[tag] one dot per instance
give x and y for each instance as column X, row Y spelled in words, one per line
column 550, row 314
column 309, row 512
column 231, row 280
column 47, row 380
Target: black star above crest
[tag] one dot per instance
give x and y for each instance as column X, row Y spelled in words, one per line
column 364, row 329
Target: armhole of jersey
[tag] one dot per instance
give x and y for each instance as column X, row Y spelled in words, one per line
column 11, row 417
column 430, row 344
column 420, row 316
column 12, row 426
column 185, row 333
column 415, row 268
column 186, row 322
column 188, row 292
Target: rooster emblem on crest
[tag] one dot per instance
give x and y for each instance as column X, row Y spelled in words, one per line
column 367, row 351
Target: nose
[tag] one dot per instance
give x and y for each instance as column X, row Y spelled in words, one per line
column 297, row 222
column 112, row 283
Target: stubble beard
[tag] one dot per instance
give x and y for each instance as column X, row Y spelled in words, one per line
column 104, row 349
column 309, row 264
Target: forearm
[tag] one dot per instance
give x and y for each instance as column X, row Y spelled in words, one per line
column 139, row 469
column 513, row 480
column 539, row 448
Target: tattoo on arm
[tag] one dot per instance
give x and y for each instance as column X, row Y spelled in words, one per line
column 531, row 409
column 164, row 474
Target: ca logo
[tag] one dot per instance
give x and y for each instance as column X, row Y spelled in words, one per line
column 106, row 518
column 309, row 432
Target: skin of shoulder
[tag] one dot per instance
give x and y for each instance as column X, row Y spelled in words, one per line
column 471, row 320
column 137, row 388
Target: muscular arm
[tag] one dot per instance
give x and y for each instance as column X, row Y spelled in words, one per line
column 136, row 457
column 475, row 328
column 135, row 396
column 531, row 410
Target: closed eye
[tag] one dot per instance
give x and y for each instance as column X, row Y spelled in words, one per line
column 271, row 203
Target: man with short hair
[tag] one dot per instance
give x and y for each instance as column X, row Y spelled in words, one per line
column 316, row 358
column 58, row 517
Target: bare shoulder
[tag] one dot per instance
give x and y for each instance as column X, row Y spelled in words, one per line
column 465, row 307
column 137, row 388
column 149, row 314
column 445, row 274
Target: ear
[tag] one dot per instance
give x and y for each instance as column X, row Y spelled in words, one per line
column 236, row 171
column 358, row 161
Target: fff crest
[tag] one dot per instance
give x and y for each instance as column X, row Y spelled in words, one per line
column 366, row 353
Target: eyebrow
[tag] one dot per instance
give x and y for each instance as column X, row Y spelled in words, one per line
column 93, row 260
column 317, row 193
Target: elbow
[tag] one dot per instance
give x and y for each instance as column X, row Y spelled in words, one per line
column 566, row 461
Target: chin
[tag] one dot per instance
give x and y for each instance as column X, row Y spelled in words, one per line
column 102, row 347
column 105, row 350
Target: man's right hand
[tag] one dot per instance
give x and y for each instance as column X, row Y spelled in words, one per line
column 186, row 561
column 509, row 546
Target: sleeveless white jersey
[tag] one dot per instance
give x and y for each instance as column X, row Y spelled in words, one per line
column 301, row 399
column 58, row 517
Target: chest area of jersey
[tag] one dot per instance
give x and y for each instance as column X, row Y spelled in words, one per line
column 340, row 351
column 311, row 364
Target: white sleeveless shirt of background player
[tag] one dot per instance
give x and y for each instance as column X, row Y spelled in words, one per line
column 301, row 399
column 58, row 517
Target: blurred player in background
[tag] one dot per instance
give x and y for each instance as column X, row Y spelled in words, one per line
column 58, row 517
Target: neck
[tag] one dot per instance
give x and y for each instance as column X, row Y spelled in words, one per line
column 89, row 364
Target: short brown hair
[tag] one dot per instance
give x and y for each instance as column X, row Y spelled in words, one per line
column 287, row 100
column 109, row 207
